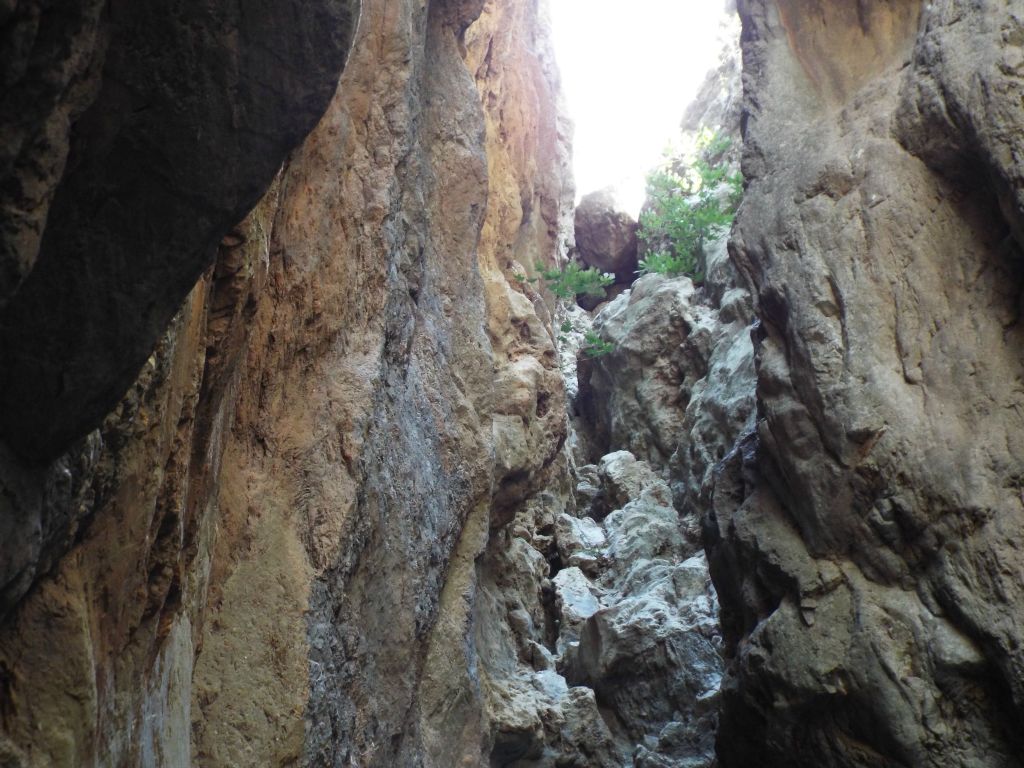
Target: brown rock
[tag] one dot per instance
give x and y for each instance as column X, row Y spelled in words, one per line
column 130, row 147
column 606, row 237
column 301, row 480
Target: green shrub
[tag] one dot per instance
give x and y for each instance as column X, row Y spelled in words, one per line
column 687, row 209
column 595, row 346
column 666, row 263
column 568, row 283
column 574, row 280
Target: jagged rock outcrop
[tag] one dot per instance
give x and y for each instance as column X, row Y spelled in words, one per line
column 683, row 364
column 606, row 238
column 634, row 397
column 599, row 637
column 650, row 650
column 865, row 537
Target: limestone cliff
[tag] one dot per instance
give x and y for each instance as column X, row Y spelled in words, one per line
column 133, row 138
column 286, row 473
column 865, row 537
column 271, row 540
column 132, row 142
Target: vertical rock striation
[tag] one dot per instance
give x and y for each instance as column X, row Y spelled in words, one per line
column 403, row 398
column 273, row 539
column 132, row 143
column 865, row 538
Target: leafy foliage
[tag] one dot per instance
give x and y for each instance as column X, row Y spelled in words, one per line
column 595, row 346
column 574, row 280
column 667, row 263
column 568, row 283
column 688, row 208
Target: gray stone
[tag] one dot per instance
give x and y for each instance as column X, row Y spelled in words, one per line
column 636, row 396
column 577, row 601
column 625, row 479
column 865, row 538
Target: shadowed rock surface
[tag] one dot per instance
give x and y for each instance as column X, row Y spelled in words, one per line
column 606, row 236
column 334, row 513
column 133, row 141
column 135, row 137
column 273, row 537
column 865, row 537
column 599, row 638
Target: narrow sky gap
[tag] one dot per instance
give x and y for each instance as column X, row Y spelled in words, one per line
column 628, row 75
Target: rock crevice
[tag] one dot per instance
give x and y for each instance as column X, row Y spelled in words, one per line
column 286, row 471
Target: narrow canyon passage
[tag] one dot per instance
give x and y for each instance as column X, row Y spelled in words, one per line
column 340, row 425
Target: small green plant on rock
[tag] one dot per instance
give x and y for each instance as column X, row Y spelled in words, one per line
column 574, row 280
column 569, row 282
column 595, row 346
column 667, row 263
column 688, row 209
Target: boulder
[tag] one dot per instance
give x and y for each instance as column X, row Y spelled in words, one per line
column 605, row 236
column 635, row 396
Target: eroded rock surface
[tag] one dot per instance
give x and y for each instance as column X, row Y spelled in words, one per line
column 132, row 143
column 339, row 517
column 635, row 396
column 865, row 537
column 274, row 538
column 599, row 637
column 133, row 139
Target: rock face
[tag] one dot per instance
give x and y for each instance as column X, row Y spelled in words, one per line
column 300, row 490
column 635, row 396
column 865, row 537
column 274, row 537
column 679, row 388
column 133, row 141
column 361, row 455
column 650, row 651
column 605, row 236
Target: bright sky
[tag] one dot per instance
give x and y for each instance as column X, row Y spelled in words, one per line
column 628, row 71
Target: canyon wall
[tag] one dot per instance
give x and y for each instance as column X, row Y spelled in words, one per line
column 134, row 137
column 865, row 538
column 286, row 473
column 132, row 142
column 266, row 553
